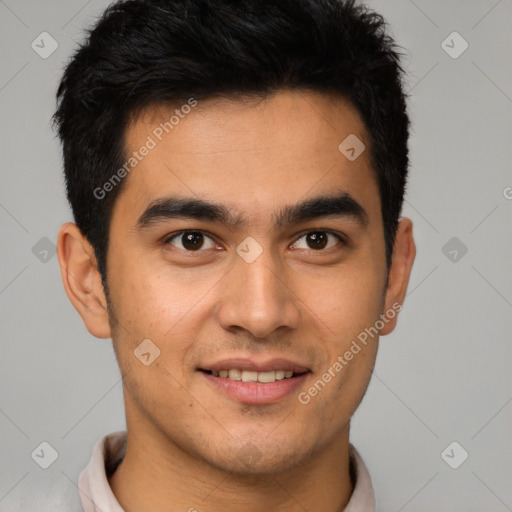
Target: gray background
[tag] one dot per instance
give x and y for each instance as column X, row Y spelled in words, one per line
column 442, row 376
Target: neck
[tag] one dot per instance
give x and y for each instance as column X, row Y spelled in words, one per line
column 156, row 474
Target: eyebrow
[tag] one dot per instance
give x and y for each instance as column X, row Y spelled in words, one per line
column 337, row 205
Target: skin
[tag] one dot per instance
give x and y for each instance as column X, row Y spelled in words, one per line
column 186, row 440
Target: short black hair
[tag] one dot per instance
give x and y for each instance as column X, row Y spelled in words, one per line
column 150, row 52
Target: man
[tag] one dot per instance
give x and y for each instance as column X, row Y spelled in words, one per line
column 236, row 173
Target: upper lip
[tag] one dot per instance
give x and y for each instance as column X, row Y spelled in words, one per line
column 267, row 365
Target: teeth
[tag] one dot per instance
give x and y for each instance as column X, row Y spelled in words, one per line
column 250, row 376
column 235, row 374
column 266, row 376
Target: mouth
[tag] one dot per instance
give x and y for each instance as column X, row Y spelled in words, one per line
column 250, row 382
column 267, row 377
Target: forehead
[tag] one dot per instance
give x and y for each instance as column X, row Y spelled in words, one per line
column 300, row 121
column 249, row 152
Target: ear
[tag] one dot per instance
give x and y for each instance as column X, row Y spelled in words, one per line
column 404, row 252
column 81, row 279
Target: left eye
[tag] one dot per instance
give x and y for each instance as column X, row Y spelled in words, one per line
column 191, row 241
column 317, row 240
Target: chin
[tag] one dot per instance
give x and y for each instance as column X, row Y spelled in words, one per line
column 259, row 458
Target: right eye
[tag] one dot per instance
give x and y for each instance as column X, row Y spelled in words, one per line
column 191, row 241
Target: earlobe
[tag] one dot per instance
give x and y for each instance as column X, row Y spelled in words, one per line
column 404, row 252
column 81, row 279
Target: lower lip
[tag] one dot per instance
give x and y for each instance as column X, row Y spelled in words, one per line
column 256, row 392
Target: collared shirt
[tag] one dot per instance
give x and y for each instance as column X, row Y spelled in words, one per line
column 97, row 496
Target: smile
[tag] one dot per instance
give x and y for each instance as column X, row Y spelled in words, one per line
column 255, row 382
column 252, row 376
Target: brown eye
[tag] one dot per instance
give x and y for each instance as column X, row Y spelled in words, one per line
column 191, row 241
column 317, row 240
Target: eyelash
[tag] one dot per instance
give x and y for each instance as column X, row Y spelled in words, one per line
column 341, row 238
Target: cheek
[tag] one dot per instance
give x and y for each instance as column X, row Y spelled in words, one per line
column 343, row 309
column 161, row 305
column 147, row 301
column 148, row 310
column 347, row 301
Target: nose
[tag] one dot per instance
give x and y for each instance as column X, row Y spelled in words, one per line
column 257, row 297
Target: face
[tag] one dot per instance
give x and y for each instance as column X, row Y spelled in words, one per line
column 245, row 240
